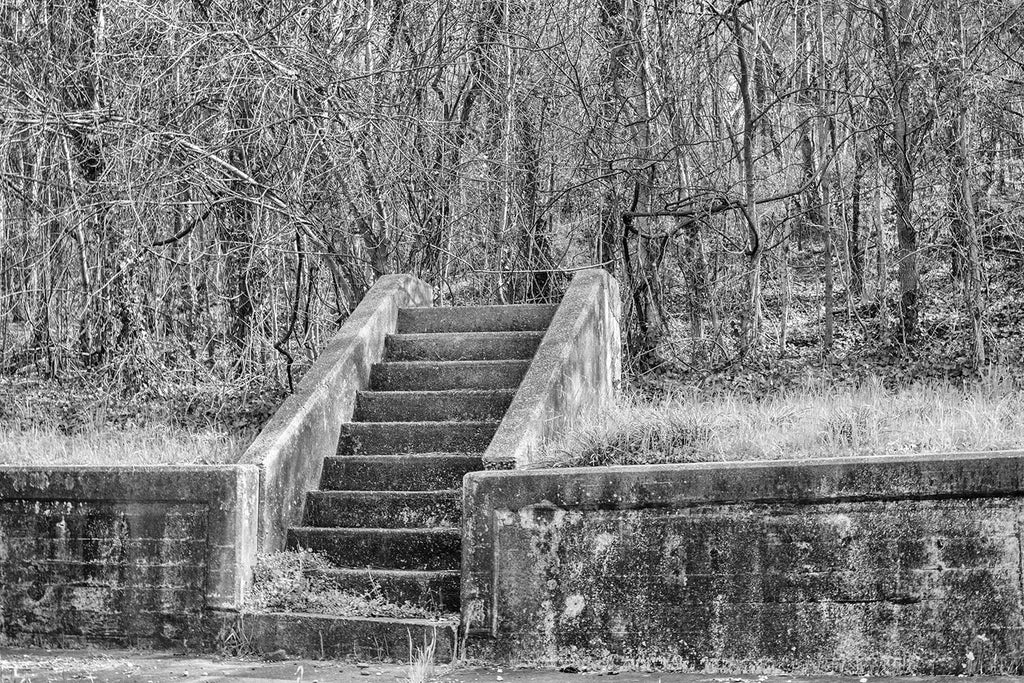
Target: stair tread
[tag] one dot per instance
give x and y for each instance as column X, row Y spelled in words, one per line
column 455, row 363
column 385, row 548
column 434, row 589
column 486, row 335
column 453, row 455
column 398, row 393
column 319, row 616
column 403, row 472
column 435, row 375
column 382, row 531
column 391, row 573
column 378, row 438
column 423, row 405
column 492, row 318
column 462, row 346
column 387, row 508
column 487, row 306
column 374, row 493
column 428, row 423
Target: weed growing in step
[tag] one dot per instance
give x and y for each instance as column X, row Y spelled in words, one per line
column 421, row 660
column 817, row 422
column 295, row 581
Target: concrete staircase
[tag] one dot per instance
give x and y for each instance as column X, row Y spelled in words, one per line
column 389, row 510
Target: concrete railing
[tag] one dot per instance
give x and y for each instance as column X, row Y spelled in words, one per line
column 290, row 450
column 574, row 373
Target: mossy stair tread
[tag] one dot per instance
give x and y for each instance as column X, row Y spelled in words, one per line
column 421, row 375
column 466, row 405
column 382, row 548
column 418, row 471
column 516, row 317
column 383, row 438
column 462, row 346
column 437, row 589
column 383, row 508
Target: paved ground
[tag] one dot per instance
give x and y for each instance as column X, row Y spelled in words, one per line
column 119, row 666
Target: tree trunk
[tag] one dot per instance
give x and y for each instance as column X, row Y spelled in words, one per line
column 828, row 295
column 903, row 170
column 964, row 218
column 751, row 322
column 613, row 19
column 856, row 241
column 236, row 230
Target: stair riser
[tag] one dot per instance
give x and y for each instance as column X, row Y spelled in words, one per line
column 396, row 550
column 396, row 474
column 449, row 347
column 430, row 406
column 475, row 319
column 382, row 438
column 321, row 636
column 435, row 592
column 442, row 377
column 383, row 511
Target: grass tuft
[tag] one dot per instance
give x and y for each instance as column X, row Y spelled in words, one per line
column 813, row 422
column 421, row 660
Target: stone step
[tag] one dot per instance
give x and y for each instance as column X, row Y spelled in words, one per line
column 433, row 590
column 445, row 375
column 516, row 318
column 324, row 636
column 380, row 438
column 430, row 549
column 429, row 406
column 431, row 471
column 441, row 346
column 383, row 509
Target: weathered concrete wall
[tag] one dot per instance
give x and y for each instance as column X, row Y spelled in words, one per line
column 96, row 554
column 575, row 371
column 865, row 566
column 290, row 450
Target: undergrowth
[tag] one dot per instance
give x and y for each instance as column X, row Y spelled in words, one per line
column 86, row 420
column 291, row 582
column 814, row 422
column 150, row 445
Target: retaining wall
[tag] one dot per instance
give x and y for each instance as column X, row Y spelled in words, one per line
column 106, row 554
column 574, row 373
column 879, row 565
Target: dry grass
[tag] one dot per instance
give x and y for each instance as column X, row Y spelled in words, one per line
column 283, row 582
column 136, row 446
column 421, row 660
column 90, row 421
column 815, row 422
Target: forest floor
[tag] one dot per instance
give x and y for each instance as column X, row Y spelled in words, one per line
column 867, row 345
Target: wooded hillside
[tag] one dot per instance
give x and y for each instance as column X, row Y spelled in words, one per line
column 216, row 183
